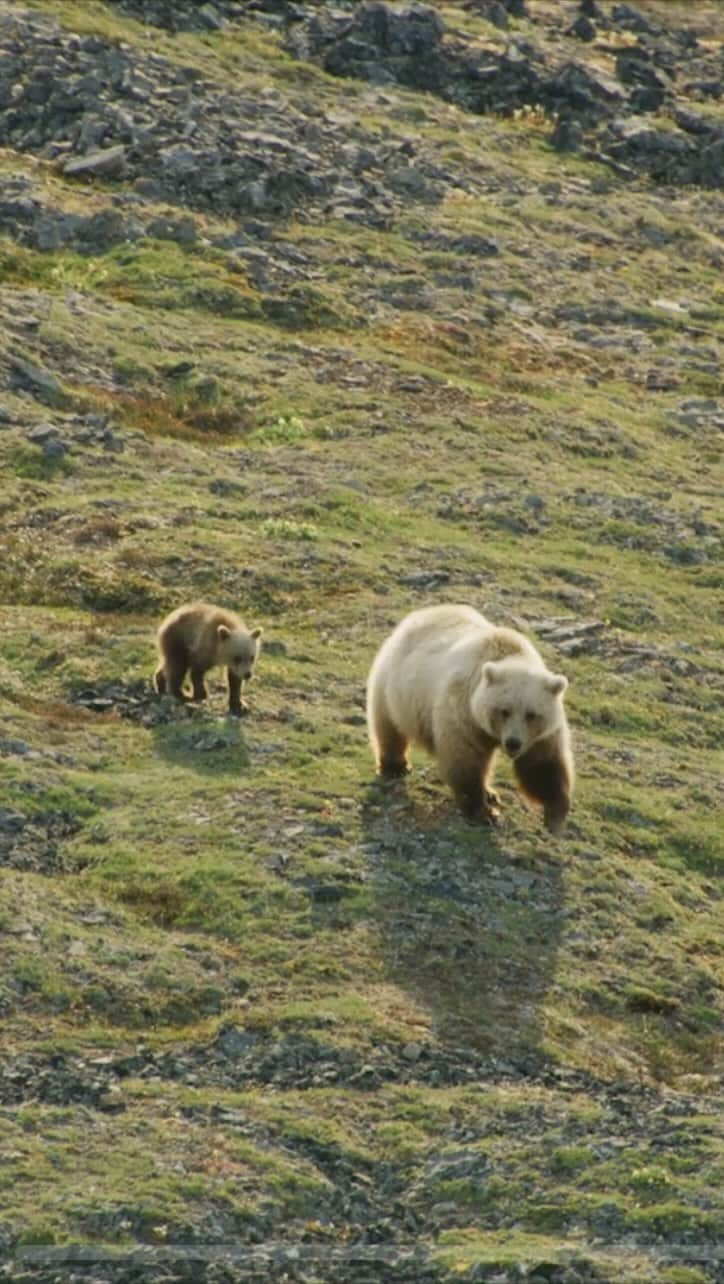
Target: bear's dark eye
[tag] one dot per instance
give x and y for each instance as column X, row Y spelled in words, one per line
column 530, row 717
column 505, row 713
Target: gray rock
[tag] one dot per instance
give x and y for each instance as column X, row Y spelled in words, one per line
column 182, row 230
column 45, row 436
column 52, row 231
column 38, row 380
column 210, row 17
column 633, row 69
column 567, row 135
column 412, row 1051
column 41, row 434
column 11, row 822
column 583, row 28
column 629, row 19
column 11, row 748
column 110, row 162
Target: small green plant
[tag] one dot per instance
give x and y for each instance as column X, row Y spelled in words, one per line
column 32, row 464
column 284, row 528
column 570, row 1159
column 652, row 1181
column 285, row 429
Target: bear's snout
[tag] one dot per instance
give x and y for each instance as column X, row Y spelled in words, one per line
column 512, row 745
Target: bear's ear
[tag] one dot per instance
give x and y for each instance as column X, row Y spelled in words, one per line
column 490, row 671
column 256, row 633
column 223, row 633
column 556, row 684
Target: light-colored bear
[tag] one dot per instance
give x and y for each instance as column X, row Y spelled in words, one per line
column 451, row 681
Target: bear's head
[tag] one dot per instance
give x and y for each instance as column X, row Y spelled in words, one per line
column 238, row 650
column 518, row 705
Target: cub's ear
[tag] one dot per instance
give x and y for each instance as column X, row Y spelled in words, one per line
column 556, row 684
column 256, row 633
column 490, row 671
column 223, row 633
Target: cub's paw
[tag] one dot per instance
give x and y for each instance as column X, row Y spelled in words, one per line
column 238, row 710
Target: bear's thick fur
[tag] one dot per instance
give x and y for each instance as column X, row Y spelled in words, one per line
column 198, row 637
column 449, row 680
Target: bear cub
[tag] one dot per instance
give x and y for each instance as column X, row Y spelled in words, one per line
column 449, row 680
column 198, row 637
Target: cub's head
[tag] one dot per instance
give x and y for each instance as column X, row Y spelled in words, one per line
column 518, row 705
column 238, row 650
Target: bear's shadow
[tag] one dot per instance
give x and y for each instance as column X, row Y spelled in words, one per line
column 202, row 741
column 467, row 927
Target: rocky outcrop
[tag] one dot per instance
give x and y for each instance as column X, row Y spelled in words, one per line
column 408, row 45
column 105, row 111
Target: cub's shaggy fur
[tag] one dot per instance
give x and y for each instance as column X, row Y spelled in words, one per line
column 197, row 638
column 452, row 682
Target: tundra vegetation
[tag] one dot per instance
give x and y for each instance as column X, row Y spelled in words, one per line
column 300, row 332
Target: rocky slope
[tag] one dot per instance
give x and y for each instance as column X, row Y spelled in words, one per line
column 326, row 312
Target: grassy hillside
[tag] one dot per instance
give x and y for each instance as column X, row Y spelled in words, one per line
column 251, row 996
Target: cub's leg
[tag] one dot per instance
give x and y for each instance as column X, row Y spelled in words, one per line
column 175, row 674
column 237, row 706
column 199, row 686
column 171, row 672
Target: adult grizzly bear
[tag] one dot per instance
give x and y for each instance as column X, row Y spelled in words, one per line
column 451, row 681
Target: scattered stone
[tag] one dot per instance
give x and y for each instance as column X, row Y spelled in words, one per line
column 32, row 842
column 567, row 135
column 39, row 381
column 11, row 748
column 136, row 701
column 583, row 28
column 46, row 437
column 425, row 579
column 412, row 1051
column 630, row 19
column 108, row 163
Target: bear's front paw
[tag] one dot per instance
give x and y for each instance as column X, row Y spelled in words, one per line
column 393, row 770
column 479, row 812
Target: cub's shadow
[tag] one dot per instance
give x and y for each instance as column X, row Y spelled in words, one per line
column 468, row 921
column 203, row 742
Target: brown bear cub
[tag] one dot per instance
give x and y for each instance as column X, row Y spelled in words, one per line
column 196, row 638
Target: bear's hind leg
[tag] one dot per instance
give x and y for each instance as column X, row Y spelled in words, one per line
column 390, row 748
column 175, row 674
column 176, row 663
column 197, row 681
column 169, row 678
